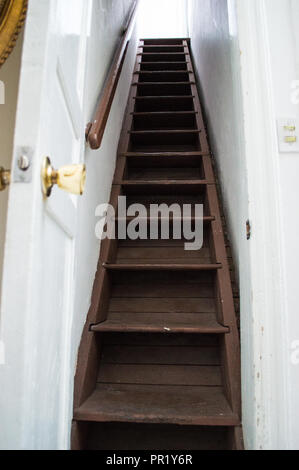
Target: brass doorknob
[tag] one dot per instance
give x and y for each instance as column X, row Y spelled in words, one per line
column 4, row 178
column 70, row 178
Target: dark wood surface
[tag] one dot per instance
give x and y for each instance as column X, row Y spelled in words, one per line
column 198, row 406
column 110, row 436
column 161, row 344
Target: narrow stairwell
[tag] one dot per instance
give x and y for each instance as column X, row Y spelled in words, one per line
column 159, row 361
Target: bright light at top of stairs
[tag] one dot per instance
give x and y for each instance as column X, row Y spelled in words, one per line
column 163, row 19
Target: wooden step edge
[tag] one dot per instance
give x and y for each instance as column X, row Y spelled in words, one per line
column 162, row 53
column 162, row 83
column 162, row 39
column 150, row 72
column 166, row 131
column 164, row 154
column 167, row 97
column 162, row 267
column 162, row 45
column 113, row 403
column 211, row 421
column 168, row 62
column 164, row 182
column 106, row 327
column 206, row 220
column 163, row 113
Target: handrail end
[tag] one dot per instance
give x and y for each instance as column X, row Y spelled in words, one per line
column 94, row 141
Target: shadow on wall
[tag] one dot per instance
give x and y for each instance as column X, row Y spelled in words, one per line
column 9, row 77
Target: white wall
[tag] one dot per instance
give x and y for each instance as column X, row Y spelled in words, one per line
column 107, row 19
column 283, row 17
column 9, row 75
column 247, row 56
column 215, row 48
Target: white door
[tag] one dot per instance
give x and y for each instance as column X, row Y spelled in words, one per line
column 38, row 278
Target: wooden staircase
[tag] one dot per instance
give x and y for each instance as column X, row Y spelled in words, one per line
column 159, row 364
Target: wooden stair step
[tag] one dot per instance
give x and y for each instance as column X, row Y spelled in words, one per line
column 163, row 66
column 169, row 84
column 173, row 323
column 165, row 140
column 164, row 120
column 164, row 88
column 159, row 47
column 157, row 132
column 163, row 155
column 162, row 267
column 163, row 251
column 163, row 57
column 175, row 168
column 163, row 76
column 163, row 49
column 200, row 406
column 205, row 219
column 164, row 103
column 163, row 41
column 183, row 184
column 157, row 189
column 165, row 113
column 155, row 350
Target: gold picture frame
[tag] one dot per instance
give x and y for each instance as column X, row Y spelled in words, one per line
column 12, row 18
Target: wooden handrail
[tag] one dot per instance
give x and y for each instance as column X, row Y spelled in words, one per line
column 95, row 130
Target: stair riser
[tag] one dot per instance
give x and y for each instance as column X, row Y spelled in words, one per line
column 145, row 104
column 166, row 121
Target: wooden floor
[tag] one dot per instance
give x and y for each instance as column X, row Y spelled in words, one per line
column 159, row 361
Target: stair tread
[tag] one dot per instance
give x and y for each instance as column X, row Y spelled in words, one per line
column 172, row 323
column 163, row 182
column 167, row 131
column 162, row 45
column 161, row 40
column 162, row 267
column 167, row 62
column 205, row 219
column 162, row 113
column 155, row 97
column 163, row 53
column 158, row 404
column 163, row 83
column 165, row 154
column 153, row 72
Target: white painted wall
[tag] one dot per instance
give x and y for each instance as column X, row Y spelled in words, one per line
column 215, row 48
column 246, row 53
column 214, row 42
column 9, row 75
column 107, row 19
column 283, row 16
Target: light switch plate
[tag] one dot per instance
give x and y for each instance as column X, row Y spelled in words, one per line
column 288, row 135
